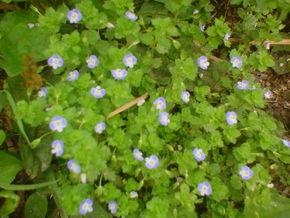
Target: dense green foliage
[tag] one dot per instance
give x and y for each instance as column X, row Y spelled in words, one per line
column 167, row 39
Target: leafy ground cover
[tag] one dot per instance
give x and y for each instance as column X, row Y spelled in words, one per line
column 162, row 108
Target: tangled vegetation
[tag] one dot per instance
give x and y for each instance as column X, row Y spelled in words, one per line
column 123, row 108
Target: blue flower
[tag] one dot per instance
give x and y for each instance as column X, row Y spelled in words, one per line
column 73, row 75
column 227, row 36
column 129, row 60
column 57, row 123
column 137, row 154
column 204, row 188
column 231, row 117
column 100, row 127
column 164, row 118
column 98, row 92
column 131, row 16
column 92, row 61
column 152, row 162
column 133, row 194
column 55, row 61
column 42, row 92
column 198, row 154
column 73, row 166
column 160, row 103
column 202, row 62
column 185, row 96
column 119, row 74
column 243, row 85
column 74, row 16
column 57, row 148
column 268, row 94
column 286, row 142
column 237, row 62
column 113, row 207
column 86, row 206
column 246, row 173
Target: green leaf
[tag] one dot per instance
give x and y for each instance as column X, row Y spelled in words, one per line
column 31, row 39
column 157, row 207
column 92, row 18
column 29, row 162
column 52, row 20
column 184, row 69
column 267, row 204
column 18, row 121
column 185, row 197
column 125, row 28
column 9, row 167
column 231, row 134
column 10, row 203
column 220, row 190
column 26, row 187
column 201, row 92
column 261, row 60
column 2, row 136
column 244, row 153
column 36, row 206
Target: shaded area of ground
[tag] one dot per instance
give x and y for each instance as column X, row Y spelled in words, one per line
column 279, row 104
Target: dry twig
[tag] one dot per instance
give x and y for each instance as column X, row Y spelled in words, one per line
column 127, row 105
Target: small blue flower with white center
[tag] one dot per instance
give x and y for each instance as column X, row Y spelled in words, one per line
column 98, row 92
column 73, row 75
column 131, row 16
column 202, row 62
column 268, row 94
column 152, row 162
column 243, row 85
column 57, row 148
column 113, row 207
column 129, row 60
column 164, row 118
column 133, row 194
column 73, row 166
column 137, row 154
column 86, row 206
column 119, row 74
column 204, row 188
column 92, row 61
column 198, row 154
column 160, row 103
column 55, row 61
column 231, row 117
column 185, row 96
column 74, row 16
column 237, row 62
column 100, row 127
column 42, row 92
column 57, row 123
column 246, row 173
column 227, row 36
column 286, row 143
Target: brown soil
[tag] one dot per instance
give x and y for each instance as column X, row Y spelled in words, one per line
column 279, row 104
